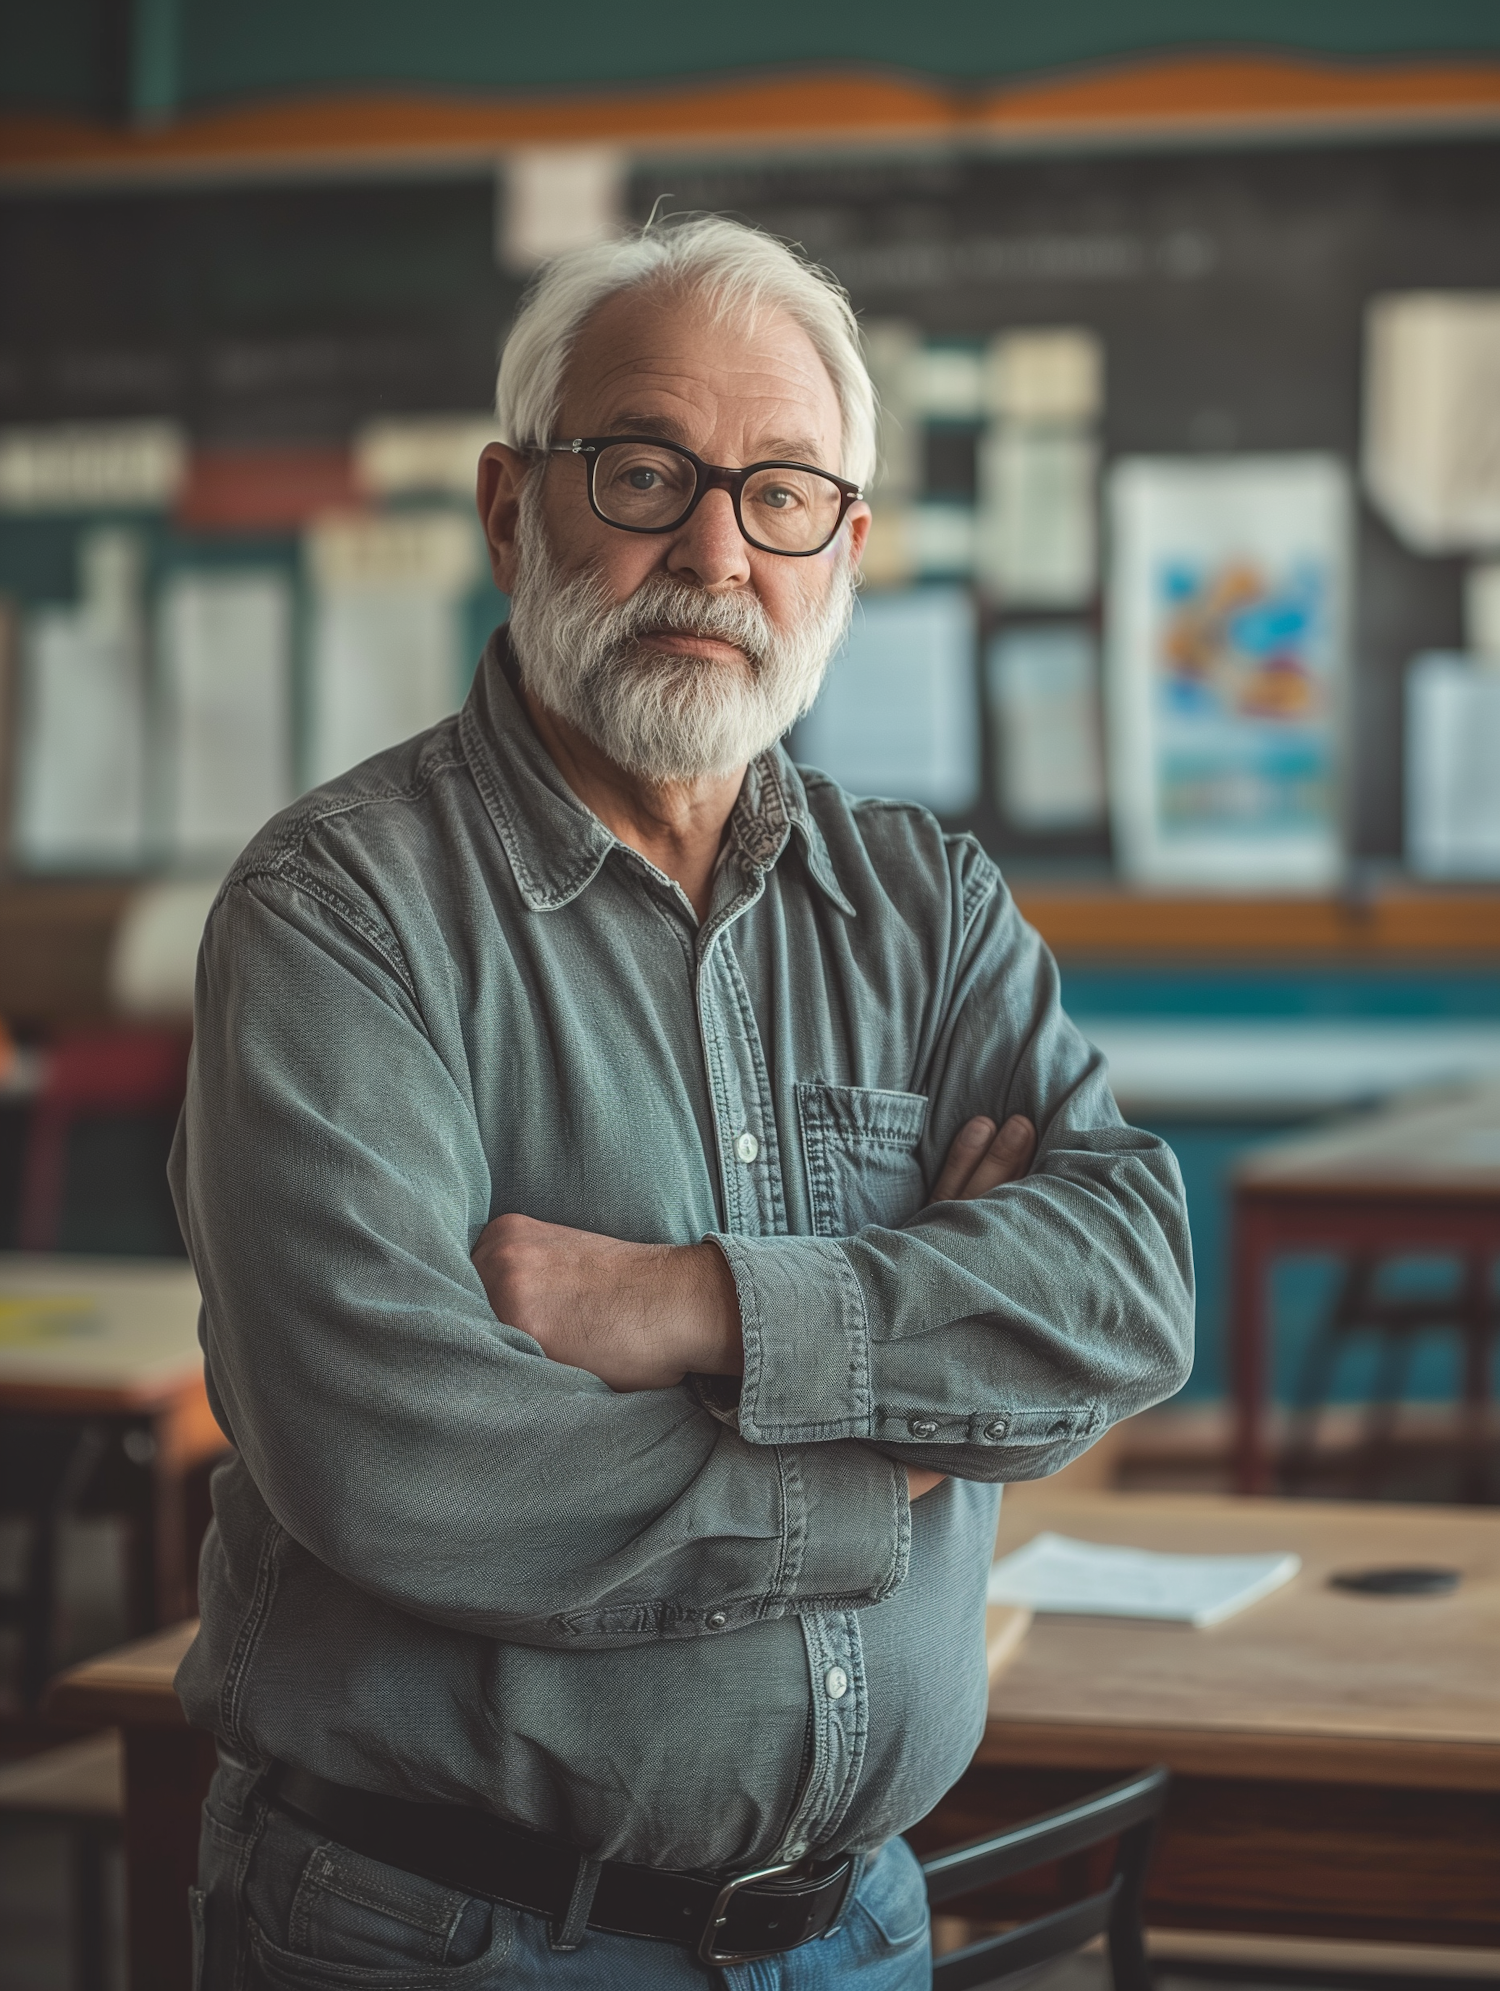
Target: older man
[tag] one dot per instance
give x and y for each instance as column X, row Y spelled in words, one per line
column 645, row 1202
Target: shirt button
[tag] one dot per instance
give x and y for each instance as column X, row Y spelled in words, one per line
column 796, row 1851
column 717, row 1621
column 747, row 1147
column 836, row 1683
column 922, row 1427
column 997, row 1428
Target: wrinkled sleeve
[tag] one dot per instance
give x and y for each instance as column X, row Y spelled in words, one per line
column 331, row 1184
column 998, row 1338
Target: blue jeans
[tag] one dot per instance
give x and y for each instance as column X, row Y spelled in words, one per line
column 281, row 1908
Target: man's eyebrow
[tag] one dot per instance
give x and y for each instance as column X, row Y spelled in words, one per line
column 799, row 449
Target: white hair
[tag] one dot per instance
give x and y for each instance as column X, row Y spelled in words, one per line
column 739, row 269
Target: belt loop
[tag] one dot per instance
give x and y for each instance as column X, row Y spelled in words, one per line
column 566, row 1937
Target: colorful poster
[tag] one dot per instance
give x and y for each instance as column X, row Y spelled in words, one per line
column 1228, row 611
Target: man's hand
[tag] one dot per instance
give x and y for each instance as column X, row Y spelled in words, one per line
column 637, row 1316
column 981, row 1159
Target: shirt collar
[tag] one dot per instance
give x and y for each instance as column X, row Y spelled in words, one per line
column 556, row 846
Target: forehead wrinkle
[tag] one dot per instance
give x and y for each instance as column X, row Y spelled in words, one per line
column 713, row 384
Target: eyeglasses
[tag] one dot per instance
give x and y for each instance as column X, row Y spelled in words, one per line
column 642, row 484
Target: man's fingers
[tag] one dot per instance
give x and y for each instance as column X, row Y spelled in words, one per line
column 969, row 1143
column 1007, row 1157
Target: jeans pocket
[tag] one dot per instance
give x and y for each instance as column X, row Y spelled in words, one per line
column 321, row 1915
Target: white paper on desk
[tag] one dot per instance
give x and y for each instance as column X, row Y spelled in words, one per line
column 898, row 714
column 1088, row 1579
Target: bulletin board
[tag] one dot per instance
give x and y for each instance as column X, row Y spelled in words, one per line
column 1227, row 287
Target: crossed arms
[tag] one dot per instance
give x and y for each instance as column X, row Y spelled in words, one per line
column 644, row 1316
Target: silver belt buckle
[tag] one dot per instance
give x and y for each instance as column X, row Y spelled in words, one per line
column 719, row 1915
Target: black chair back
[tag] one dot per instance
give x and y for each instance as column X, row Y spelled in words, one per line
column 1127, row 1812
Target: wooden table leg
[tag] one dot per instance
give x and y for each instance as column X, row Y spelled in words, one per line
column 167, row 1772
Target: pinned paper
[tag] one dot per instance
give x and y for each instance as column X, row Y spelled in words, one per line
column 1432, row 417
column 1043, row 686
column 1452, row 768
column 897, row 715
column 1036, row 535
column 92, row 466
column 1049, row 376
column 558, row 197
column 1482, row 613
column 81, row 778
column 388, row 629
column 226, row 657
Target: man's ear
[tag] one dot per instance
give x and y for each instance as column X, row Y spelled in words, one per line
column 502, row 472
column 859, row 530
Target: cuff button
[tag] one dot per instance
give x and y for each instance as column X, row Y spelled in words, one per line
column 922, row 1427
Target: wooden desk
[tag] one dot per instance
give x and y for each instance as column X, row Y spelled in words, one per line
column 115, row 1342
column 1336, row 1757
column 167, row 1769
column 1421, row 1175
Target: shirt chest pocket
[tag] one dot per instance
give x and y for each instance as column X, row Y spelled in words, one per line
column 860, row 1149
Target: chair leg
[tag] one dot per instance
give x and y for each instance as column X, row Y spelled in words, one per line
column 1397, row 1349
column 1477, row 1331
column 1318, row 1365
column 39, row 1612
column 1128, row 1965
column 89, row 1972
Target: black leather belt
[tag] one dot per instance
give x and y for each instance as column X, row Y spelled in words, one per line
column 722, row 1918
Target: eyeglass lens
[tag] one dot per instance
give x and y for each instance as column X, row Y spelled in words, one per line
column 643, row 485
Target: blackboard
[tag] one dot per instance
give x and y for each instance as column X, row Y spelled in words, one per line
column 1228, row 287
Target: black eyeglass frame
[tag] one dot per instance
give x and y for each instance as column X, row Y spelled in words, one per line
column 710, row 477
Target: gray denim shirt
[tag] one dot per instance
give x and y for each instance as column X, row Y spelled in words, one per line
column 675, row 1626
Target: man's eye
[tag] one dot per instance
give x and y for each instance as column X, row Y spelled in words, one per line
column 642, row 479
column 780, row 497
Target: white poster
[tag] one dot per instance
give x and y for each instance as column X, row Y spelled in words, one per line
column 388, row 629
column 1227, row 654
column 81, row 762
column 1452, row 768
column 226, row 658
column 898, row 714
column 1043, row 690
column 1432, row 417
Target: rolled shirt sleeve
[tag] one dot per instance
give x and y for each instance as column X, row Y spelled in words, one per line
column 995, row 1338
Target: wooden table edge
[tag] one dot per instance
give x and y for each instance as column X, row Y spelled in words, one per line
column 1252, row 1755
column 102, row 1399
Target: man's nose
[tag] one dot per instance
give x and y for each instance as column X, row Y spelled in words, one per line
column 709, row 548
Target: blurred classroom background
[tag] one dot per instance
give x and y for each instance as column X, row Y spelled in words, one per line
column 1183, row 594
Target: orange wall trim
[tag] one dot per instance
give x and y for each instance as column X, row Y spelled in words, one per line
column 1394, row 924
column 1182, row 96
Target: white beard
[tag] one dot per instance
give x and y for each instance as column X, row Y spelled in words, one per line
column 663, row 716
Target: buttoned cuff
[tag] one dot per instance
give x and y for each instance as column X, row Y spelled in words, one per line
column 806, row 1337
column 847, row 1533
